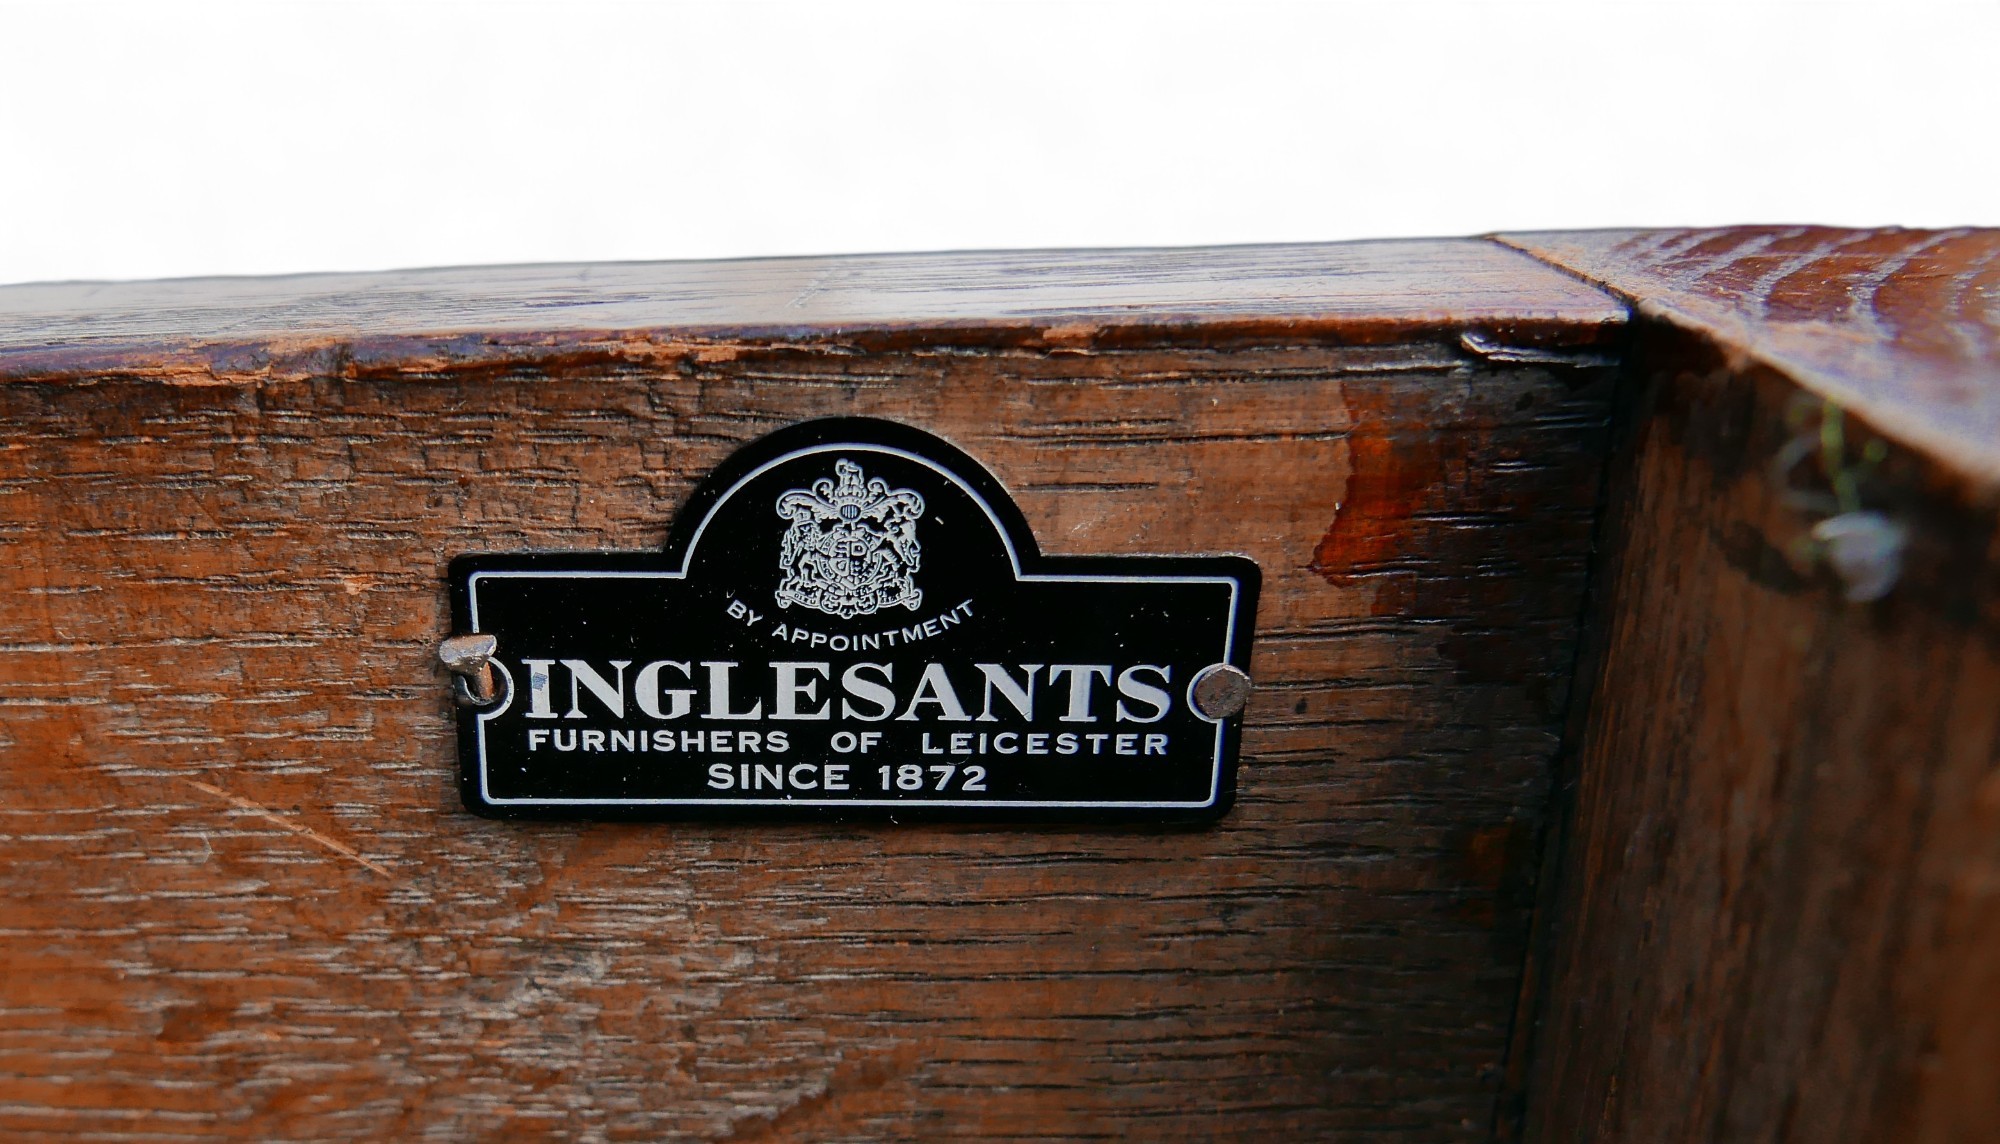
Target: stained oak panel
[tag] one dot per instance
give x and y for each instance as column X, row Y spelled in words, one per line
column 1900, row 327
column 240, row 894
column 1774, row 915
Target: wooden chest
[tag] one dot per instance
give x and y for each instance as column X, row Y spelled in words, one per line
column 1593, row 785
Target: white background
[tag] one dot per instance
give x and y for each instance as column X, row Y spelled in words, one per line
column 169, row 139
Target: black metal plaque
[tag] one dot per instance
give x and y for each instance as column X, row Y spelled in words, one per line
column 851, row 618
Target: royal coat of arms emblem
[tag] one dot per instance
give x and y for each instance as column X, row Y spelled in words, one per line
column 852, row 545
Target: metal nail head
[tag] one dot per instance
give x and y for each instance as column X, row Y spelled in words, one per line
column 1865, row 550
column 1219, row 691
column 470, row 661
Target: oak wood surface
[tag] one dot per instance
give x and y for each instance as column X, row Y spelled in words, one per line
column 1899, row 327
column 1372, row 291
column 240, row 895
column 1776, row 912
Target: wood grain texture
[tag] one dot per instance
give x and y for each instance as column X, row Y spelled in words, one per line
column 221, row 327
column 1899, row 327
column 240, row 896
column 1777, row 916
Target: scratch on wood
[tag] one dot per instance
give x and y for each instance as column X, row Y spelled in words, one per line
column 304, row 831
column 1493, row 349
